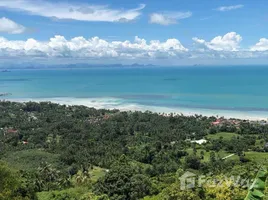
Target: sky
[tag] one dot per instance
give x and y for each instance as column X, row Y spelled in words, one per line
column 174, row 32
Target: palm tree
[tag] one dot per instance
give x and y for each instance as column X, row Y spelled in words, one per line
column 83, row 177
column 48, row 177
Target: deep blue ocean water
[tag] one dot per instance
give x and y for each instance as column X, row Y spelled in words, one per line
column 240, row 88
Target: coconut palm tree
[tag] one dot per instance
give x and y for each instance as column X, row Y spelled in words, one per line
column 83, row 177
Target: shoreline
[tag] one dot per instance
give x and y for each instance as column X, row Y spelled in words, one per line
column 114, row 103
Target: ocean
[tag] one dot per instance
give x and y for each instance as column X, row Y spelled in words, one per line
column 231, row 91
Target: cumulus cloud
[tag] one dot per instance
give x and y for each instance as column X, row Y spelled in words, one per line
column 262, row 45
column 228, row 8
column 228, row 42
column 168, row 17
column 79, row 47
column 82, row 12
column 9, row 26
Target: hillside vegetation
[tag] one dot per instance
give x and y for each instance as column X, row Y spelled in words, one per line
column 57, row 152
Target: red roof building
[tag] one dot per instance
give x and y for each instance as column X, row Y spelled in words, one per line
column 12, row 131
column 217, row 122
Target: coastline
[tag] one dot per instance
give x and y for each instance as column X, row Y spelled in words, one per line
column 114, row 103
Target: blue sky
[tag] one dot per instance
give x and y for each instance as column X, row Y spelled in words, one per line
column 188, row 31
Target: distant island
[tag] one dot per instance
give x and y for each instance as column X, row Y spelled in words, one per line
column 68, row 66
column 5, row 94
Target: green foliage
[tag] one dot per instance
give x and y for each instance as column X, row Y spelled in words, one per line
column 193, row 162
column 96, row 173
column 124, row 182
column 75, row 152
column 49, row 178
column 257, row 189
column 223, row 135
column 11, row 185
column 30, row 159
column 226, row 190
column 259, row 157
column 79, row 193
column 174, row 192
column 8, row 182
column 83, row 178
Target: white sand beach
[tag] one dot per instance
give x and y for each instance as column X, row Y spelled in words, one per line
column 115, row 103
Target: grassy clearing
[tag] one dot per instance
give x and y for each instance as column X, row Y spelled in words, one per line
column 259, row 157
column 220, row 154
column 97, row 173
column 223, row 154
column 30, row 159
column 224, row 135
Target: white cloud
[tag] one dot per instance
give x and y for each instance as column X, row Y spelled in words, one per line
column 82, row 12
column 226, row 47
column 262, row 45
column 9, row 26
column 228, row 8
column 228, row 42
column 169, row 17
column 79, row 47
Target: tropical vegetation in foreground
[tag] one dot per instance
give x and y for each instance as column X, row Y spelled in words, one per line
column 57, row 152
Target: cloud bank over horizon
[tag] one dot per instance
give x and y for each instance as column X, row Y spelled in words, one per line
column 79, row 47
column 95, row 48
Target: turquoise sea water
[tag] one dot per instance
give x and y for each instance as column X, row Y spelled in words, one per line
column 243, row 88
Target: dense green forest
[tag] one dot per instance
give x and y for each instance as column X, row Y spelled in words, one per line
column 57, row 152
